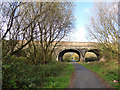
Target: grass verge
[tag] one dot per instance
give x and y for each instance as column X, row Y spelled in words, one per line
column 108, row 70
column 62, row 80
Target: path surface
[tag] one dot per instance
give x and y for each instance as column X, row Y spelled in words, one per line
column 85, row 79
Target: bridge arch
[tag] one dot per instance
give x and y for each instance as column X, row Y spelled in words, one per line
column 96, row 52
column 61, row 54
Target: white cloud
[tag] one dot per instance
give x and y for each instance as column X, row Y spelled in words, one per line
column 86, row 10
column 79, row 35
column 75, row 17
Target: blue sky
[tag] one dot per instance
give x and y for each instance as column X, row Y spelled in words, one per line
column 82, row 13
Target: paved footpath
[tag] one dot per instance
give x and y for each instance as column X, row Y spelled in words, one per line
column 85, row 79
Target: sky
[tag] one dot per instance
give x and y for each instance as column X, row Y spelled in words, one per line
column 82, row 13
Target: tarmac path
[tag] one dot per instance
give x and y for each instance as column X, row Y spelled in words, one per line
column 85, row 79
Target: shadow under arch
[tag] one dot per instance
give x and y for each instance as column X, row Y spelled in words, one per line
column 61, row 54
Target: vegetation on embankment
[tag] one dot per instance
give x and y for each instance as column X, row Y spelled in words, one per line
column 108, row 70
column 18, row 74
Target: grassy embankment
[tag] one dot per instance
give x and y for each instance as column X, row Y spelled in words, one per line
column 108, row 70
column 18, row 74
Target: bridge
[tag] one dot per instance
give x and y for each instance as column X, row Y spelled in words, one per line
column 81, row 48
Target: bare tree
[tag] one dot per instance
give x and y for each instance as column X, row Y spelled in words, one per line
column 18, row 23
column 56, row 26
column 24, row 23
column 104, row 25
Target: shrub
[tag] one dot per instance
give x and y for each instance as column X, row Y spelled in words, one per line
column 108, row 52
column 17, row 74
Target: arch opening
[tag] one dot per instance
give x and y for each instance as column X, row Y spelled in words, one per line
column 92, row 55
column 70, row 57
column 61, row 54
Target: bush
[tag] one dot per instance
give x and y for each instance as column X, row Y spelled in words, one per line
column 35, row 55
column 108, row 52
column 17, row 74
column 91, row 59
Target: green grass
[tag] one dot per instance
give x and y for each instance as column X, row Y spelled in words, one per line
column 18, row 74
column 108, row 70
column 62, row 80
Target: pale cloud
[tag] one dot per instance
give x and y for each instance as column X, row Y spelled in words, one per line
column 79, row 35
column 86, row 10
column 75, row 17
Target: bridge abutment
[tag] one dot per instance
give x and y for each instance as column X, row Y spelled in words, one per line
column 83, row 52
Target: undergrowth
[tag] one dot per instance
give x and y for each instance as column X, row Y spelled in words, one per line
column 18, row 74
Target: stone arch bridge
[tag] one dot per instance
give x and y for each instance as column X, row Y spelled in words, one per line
column 78, row 47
